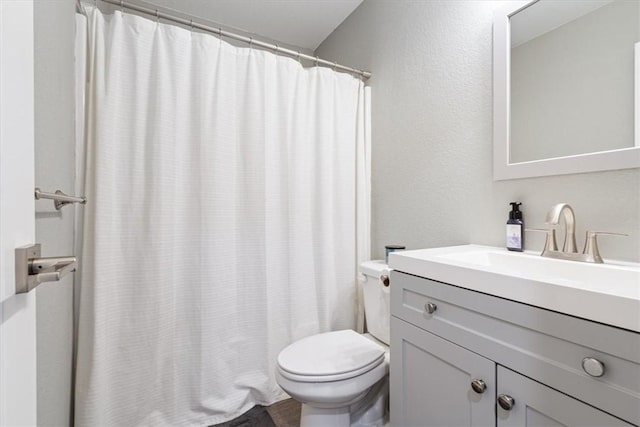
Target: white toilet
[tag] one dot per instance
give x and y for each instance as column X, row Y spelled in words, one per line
column 341, row 377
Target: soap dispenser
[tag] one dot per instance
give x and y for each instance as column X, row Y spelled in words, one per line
column 515, row 228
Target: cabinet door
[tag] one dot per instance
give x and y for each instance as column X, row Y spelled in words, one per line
column 431, row 381
column 538, row 405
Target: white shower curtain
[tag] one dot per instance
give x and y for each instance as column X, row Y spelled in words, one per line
column 228, row 209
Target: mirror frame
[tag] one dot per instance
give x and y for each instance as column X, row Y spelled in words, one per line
column 624, row 158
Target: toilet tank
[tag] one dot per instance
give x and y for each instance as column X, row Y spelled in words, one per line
column 376, row 299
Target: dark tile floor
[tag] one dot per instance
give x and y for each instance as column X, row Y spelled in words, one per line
column 282, row 414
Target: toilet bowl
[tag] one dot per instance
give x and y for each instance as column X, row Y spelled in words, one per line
column 341, row 377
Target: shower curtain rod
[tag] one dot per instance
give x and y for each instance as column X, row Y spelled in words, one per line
column 250, row 40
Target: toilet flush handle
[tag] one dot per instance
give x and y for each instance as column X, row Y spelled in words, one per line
column 385, row 280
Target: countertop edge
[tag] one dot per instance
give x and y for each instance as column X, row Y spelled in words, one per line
column 603, row 308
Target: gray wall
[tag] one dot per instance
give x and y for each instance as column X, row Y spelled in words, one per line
column 432, row 135
column 55, row 164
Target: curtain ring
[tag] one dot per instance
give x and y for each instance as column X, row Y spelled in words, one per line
column 335, row 63
column 277, row 48
column 250, row 42
column 316, row 61
column 298, row 57
column 121, row 6
column 157, row 16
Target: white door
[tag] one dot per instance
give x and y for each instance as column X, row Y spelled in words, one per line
column 17, row 214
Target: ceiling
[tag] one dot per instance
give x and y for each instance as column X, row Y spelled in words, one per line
column 301, row 23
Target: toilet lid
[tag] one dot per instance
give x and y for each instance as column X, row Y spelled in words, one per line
column 339, row 354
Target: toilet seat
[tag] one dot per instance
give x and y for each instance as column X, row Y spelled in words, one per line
column 332, row 356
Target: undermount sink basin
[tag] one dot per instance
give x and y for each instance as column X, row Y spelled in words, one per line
column 607, row 293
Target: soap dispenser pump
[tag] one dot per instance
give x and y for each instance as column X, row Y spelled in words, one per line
column 515, row 228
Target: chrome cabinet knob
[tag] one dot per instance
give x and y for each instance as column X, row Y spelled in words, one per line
column 506, row 402
column 478, row 386
column 593, row 367
column 430, row 307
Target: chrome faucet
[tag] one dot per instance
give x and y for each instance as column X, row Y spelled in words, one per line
column 553, row 218
column 569, row 250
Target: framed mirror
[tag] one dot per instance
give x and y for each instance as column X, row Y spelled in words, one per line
column 566, row 83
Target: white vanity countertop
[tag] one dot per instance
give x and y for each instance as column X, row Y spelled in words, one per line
column 607, row 293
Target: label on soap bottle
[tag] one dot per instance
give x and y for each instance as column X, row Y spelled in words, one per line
column 514, row 236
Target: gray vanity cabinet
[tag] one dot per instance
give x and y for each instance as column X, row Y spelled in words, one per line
column 443, row 337
column 431, row 381
column 538, row 405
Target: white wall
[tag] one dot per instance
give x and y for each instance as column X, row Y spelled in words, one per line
column 432, row 135
column 55, row 167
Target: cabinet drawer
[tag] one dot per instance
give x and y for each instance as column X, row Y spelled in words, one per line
column 538, row 343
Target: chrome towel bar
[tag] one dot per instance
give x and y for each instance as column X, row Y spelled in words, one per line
column 60, row 199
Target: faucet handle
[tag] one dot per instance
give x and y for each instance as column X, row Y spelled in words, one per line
column 591, row 244
column 550, row 243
